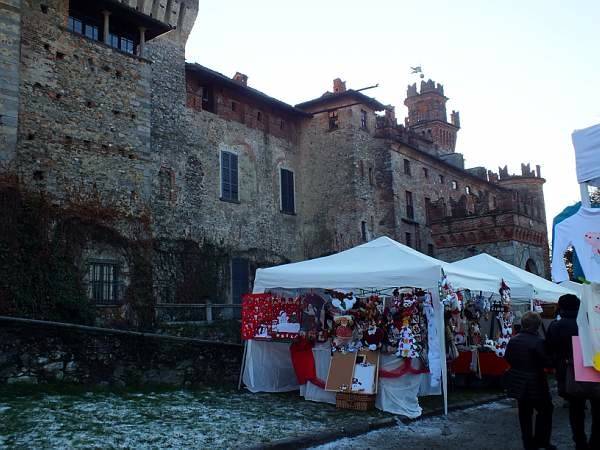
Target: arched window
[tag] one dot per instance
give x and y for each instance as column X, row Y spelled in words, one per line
column 531, row 267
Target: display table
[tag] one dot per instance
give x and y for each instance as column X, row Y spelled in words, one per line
column 269, row 369
column 489, row 364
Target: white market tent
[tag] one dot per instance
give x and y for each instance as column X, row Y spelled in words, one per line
column 380, row 264
column 524, row 286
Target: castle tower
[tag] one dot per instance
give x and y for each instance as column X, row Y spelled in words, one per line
column 427, row 115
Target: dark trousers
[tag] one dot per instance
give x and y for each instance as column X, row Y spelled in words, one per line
column 543, row 422
column 577, row 419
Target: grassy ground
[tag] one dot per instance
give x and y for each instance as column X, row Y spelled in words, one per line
column 207, row 418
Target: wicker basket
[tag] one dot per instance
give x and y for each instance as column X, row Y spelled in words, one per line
column 355, row 401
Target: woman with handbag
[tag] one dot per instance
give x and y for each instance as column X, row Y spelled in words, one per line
column 526, row 381
column 560, row 346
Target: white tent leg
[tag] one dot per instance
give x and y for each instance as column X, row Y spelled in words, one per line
column 243, row 365
column 439, row 314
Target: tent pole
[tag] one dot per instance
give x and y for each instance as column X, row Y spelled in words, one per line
column 439, row 311
column 243, row 365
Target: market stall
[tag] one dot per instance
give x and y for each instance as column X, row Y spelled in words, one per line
column 369, row 273
column 484, row 356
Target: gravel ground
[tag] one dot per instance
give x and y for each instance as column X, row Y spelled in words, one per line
column 492, row 426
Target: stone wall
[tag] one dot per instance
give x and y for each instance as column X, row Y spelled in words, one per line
column 47, row 352
column 10, row 48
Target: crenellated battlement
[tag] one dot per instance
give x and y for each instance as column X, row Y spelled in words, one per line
column 504, row 175
column 426, row 87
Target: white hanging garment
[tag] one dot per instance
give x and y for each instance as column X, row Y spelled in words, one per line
column 582, row 231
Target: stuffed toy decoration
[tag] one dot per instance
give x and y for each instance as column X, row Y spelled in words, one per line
column 313, row 314
column 373, row 336
column 343, row 330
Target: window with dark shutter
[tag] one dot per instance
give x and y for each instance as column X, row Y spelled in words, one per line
column 410, row 211
column 229, row 176
column 288, row 205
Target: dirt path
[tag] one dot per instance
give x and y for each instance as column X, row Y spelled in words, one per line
column 493, row 426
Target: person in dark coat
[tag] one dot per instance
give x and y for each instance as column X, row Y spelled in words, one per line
column 560, row 346
column 526, row 382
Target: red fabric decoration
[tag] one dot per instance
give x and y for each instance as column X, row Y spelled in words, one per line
column 403, row 369
column 303, row 361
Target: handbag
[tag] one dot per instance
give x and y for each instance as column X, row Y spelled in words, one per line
column 580, row 389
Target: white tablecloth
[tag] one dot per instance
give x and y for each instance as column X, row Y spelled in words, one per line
column 269, row 369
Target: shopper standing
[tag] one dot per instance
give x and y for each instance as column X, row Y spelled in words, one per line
column 560, row 347
column 526, row 382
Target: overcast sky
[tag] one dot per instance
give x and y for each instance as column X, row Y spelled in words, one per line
column 523, row 73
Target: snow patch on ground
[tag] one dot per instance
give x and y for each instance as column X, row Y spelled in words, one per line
column 207, row 418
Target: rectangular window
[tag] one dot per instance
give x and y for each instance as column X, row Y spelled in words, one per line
column 410, row 212
column 408, row 239
column 425, row 172
column 363, row 231
column 468, row 190
column 126, row 45
column 281, row 124
column 333, row 120
column 454, row 185
column 430, row 251
column 406, row 167
column 240, row 279
column 363, row 119
column 288, row 205
column 371, row 180
column 75, row 25
column 441, row 179
column 258, row 116
column 91, row 32
column 229, row 176
column 103, row 284
column 113, row 40
column 233, row 106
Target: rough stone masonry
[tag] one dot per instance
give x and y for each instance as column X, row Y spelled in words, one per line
column 161, row 181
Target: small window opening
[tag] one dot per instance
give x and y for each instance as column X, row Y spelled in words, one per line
column 233, row 106
column 363, row 119
column 333, row 120
column 454, row 185
column 406, row 167
column 258, row 116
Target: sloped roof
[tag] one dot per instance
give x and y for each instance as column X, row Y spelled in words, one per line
column 350, row 94
column 221, row 79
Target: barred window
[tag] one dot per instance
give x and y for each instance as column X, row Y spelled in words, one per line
column 104, row 283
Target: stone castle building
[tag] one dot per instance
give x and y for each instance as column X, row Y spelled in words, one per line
column 174, row 182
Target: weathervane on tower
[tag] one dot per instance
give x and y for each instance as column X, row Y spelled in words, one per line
column 417, row 70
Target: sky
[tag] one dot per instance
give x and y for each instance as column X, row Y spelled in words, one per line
column 523, row 73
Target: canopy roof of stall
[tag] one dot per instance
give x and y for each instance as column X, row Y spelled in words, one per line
column 380, row 264
column 538, row 287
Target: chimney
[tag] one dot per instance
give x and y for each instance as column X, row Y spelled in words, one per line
column 339, row 86
column 241, row 78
